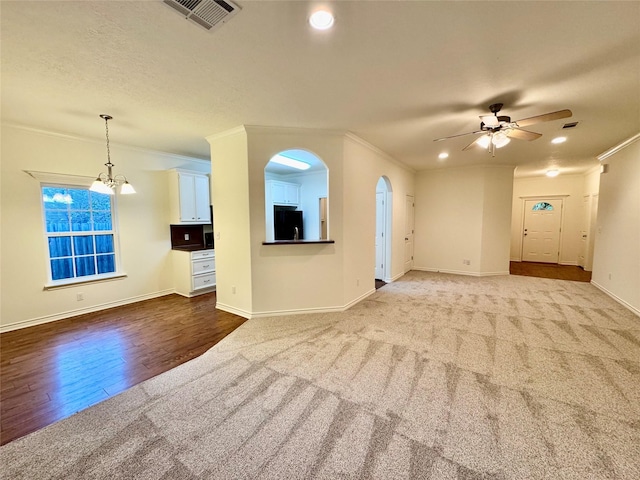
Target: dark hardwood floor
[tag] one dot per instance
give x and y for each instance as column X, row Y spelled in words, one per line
column 550, row 270
column 51, row 371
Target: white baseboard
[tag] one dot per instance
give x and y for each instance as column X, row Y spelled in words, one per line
column 81, row 311
column 462, row 272
column 616, row 298
column 234, row 310
column 394, row 278
column 295, row 311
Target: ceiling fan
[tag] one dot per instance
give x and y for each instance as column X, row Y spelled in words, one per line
column 498, row 130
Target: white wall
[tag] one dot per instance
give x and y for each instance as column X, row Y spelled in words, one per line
column 571, row 188
column 303, row 277
column 363, row 167
column 496, row 220
column 232, row 229
column 616, row 263
column 142, row 221
column 463, row 214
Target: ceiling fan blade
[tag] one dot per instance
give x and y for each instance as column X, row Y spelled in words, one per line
column 522, row 134
column 471, row 144
column 547, row 117
column 490, row 120
column 459, row 135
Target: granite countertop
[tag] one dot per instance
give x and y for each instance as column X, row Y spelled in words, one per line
column 191, row 248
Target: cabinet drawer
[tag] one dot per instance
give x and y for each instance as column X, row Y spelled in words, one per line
column 204, row 281
column 203, row 254
column 204, row 265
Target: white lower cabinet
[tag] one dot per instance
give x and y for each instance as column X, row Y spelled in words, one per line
column 194, row 272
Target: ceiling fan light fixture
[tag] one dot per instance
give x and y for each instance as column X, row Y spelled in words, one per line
column 443, row 155
column 500, row 139
column 484, row 141
column 558, row 140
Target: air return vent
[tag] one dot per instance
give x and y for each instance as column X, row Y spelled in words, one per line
column 570, row 125
column 206, row 13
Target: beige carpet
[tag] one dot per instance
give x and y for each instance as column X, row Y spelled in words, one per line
column 433, row 376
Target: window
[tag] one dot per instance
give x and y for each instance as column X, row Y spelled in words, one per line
column 542, row 206
column 80, row 234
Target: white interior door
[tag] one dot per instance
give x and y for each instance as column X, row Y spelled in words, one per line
column 591, row 235
column 380, row 225
column 585, row 218
column 408, row 233
column 541, row 235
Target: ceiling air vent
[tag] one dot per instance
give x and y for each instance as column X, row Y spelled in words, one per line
column 206, row 13
column 570, row 125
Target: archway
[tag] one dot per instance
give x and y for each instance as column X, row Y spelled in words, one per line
column 384, row 213
column 296, row 197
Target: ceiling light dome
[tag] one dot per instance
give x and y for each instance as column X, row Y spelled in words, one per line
column 500, row 139
column 321, row 20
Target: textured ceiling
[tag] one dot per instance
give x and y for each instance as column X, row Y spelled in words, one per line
column 397, row 74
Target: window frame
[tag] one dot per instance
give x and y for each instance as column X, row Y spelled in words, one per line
column 76, row 280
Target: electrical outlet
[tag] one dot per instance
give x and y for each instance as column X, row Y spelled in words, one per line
column 609, row 276
column 466, row 262
column 79, row 297
column 217, row 235
column 233, row 289
column 357, row 282
column 186, row 236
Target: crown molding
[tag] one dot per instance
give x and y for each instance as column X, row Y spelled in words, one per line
column 617, row 148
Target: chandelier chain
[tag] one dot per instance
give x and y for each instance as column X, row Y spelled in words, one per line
column 106, row 127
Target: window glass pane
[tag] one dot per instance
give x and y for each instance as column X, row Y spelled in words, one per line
column 106, row 263
column 542, row 206
column 83, row 245
column 57, row 221
column 85, row 213
column 59, row 247
column 102, row 220
column 61, row 268
column 56, row 198
column 80, row 221
column 80, row 199
column 100, row 201
column 104, row 244
column 85, row 266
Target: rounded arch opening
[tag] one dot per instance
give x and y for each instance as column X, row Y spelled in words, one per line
column 384, row 220
column 296, row 197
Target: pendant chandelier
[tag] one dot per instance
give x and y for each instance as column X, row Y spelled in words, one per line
column 107, row 182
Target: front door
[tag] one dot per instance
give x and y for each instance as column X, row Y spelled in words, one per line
column 408, row 233
column 541, row 235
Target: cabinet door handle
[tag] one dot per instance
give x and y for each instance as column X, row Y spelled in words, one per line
column 205, row 266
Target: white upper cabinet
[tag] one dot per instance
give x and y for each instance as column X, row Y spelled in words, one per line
column 190, row 197
column 284, row 193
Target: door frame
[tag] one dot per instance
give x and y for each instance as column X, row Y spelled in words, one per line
column 541, row 198
column 386, row 227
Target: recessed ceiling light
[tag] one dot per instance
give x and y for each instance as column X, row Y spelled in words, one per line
column 559, row 140
column 552, row 173
column 443, row 155
column 321, row 20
